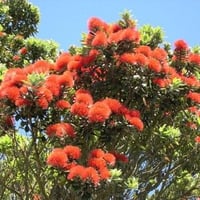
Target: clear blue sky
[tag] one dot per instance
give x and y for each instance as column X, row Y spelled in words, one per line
column 64, row 21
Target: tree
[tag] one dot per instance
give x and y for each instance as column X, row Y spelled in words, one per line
column 18, row 48
column 117, row 118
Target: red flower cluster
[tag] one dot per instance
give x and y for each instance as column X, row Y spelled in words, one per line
column 190, row 81
column 20, row 89
column 194, row 96
column 102, row 110
column 97, row 167
column 60, row 130
column 145, row 57
column 84, row 174
column 194, row 58
column 99, row 112
column 62, row 104
column 162, row 82
column 120, row 157
column 102, row 34
column 181, row 51
column 99, row 161
column 180, row 45
column 66, row 159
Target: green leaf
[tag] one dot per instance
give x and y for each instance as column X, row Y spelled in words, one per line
column 132, row 183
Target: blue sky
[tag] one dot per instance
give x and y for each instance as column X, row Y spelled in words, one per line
column 64, row 21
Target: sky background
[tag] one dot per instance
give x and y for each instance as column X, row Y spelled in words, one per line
column 63, row 21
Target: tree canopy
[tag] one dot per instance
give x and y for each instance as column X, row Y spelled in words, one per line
column 116, row 118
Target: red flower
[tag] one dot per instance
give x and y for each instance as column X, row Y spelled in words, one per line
column 92, row 175
column 69, row 165
column 97, row 153
column 60, row 130
column 104, row 173
column 84, row 173
column 57, row 158
column 23, row 90
column 84, row 97
column 123, row 110
column 22, row 102
column 154, row 65
column 137, row 122
column 180, row 45
column 128, row 58
column 40, row 66
column 194, row 96
column 62, row 104
column 159, row 54
column 76, row 171
column 43, row 92
column 133, row 113
column 66, row 79
column 191, row 81
column 73, row 152
column 12, row 93
column 114, row 105
column 95, row 24
column 93, row 53
column 161, row 82
column 14, row 77
column 120, row 157
column 141, row 59
column 99, row 112
column 52, row 83
column 80, row 109
column 62, row 61
column 194, row 58
column 130, row 35
column 109, row 158
column 115, row 37
column 197, row 139
column 44, row 97
column 100, row 39
column 146, row 50
column 114, row 28
column 169, row 70
column 42, row 102
column 81, row 91
column 74, row 65
column 97, row 163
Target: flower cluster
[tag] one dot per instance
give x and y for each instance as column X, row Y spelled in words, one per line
column 64, row 158
column 102, row 110
column 97, row 112
column 103, row 34
column 97, row 166
column 60, row 130
column 34, row 85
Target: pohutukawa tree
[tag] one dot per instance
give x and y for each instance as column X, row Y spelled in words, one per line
column 117, row 118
